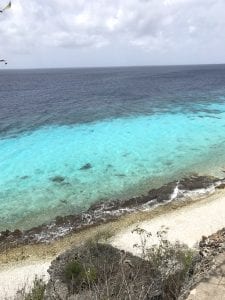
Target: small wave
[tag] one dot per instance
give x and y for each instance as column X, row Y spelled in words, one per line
column 175, row 193
column 193, row 187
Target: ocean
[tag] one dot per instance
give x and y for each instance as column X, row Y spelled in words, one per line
column 72, row 137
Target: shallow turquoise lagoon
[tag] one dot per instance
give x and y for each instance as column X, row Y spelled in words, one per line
column 127, row 157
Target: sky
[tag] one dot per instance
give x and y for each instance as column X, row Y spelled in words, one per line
column 91, row 33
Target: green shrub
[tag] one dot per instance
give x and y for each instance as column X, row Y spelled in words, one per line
column 74, row 270
column 36, row 292
column 80, row 275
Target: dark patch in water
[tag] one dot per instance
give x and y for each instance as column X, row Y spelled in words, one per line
column 57, row 179
column 212, row 117
column 125, row 154
column 169, row 162
column 120, row 175
column 66, row 183
column 86, row 167
column 24, row 177
column 64, row 201
column 108, row 167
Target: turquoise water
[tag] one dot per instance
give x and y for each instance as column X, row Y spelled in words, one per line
column 127, row 155
column 136, row 129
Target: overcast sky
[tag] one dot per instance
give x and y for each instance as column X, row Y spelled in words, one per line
column 81, row 33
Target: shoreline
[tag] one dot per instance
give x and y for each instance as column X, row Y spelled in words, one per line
column 105, row 230
column 35, row 258
column 193, row 187
column 186, row 224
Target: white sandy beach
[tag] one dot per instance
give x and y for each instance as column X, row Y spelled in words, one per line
column 15, row 277
column 186, row 224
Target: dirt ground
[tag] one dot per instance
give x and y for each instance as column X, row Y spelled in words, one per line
column 212, row 288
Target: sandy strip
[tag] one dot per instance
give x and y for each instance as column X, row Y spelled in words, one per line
column 15, row 277
column 186, row 224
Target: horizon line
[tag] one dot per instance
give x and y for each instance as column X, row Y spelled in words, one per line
column 108, row 67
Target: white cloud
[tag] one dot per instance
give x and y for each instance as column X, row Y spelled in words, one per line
column 150, row 25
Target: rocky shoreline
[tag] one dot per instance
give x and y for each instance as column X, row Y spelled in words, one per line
column 103, row 212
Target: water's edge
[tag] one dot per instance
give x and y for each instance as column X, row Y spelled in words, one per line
column 193, row 187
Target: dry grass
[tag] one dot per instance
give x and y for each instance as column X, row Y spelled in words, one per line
column 33, row 292
column 103, row 272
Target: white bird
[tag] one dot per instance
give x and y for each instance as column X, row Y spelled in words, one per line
column 1, row 11
column 6, row 7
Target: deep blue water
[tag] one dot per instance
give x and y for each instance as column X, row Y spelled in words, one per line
column 137, row 128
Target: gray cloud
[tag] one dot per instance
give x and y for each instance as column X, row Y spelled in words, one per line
column 157, row 27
